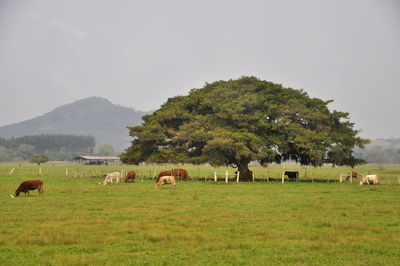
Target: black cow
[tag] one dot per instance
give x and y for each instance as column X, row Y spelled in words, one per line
column 292, row 175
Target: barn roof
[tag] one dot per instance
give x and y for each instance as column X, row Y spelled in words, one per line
column 100, row 158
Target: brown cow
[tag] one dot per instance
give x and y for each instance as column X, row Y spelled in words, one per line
column 130, row 176
column 181, row 173
column 354, row 175
column 30, row 185
column 175, row 172
column 166, row 180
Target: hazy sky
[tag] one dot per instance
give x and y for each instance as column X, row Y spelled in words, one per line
column 139, row 53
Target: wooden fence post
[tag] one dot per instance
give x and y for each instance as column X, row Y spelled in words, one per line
column 252, row 176
column 66, row 171
column 237, row 176
column 351, row 178
column 215, row 176
column 226, row 176
column 340, row 178
column 313, row 174
column 283, row 177
column 40, row 170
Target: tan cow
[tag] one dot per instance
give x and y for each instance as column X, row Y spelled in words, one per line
column 166, row 180
column 112, row 177
column 369, row 179
column 177, row 172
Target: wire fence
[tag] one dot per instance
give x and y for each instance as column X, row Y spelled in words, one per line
column 274, row 173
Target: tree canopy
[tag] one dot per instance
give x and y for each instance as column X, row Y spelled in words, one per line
column 238, row 121
column 39, row 158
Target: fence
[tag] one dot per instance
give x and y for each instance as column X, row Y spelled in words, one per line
column 199, row 173
column 226, row 175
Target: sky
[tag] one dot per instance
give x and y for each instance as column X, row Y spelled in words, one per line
column 140, row 53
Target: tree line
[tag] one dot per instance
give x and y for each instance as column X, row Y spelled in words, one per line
column 383, row 151
column 55, row 146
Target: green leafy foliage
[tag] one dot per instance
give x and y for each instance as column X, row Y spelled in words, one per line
column 238, row 121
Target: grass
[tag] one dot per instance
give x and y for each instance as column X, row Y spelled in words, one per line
column 79, row 222
column 388, row 174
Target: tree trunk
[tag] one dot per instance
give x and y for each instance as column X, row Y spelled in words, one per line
column 245, row 173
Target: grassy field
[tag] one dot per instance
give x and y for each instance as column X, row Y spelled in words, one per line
column 79, row 222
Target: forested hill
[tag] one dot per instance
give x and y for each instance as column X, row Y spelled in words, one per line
column 93, row 116
column 56, row 147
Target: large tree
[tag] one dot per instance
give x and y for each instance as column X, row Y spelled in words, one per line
column 238, row 121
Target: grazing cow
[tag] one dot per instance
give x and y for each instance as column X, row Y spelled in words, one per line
column 175, row 172
column 181, row 173
column 292, row 175
column 111, row 177
column 164, row 173
column 130, row 176
column 369, row 179
column 166, row 180
column 354, row 175
column 30, row 185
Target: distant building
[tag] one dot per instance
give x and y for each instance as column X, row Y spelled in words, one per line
column 97, row 160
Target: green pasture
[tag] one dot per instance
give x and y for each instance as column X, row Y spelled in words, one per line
column 388, row 174
column 316, row 221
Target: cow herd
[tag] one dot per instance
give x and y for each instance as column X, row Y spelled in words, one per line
column 168, row 177
column 164, row 177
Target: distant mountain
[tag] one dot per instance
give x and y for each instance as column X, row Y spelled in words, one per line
column 93, row 116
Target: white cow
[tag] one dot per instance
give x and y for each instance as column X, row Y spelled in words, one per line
column 369, row 179
column 111, row 177
column 166, row 180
